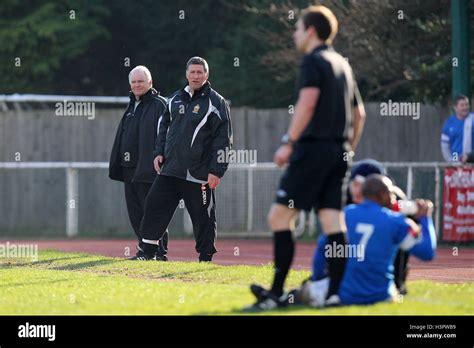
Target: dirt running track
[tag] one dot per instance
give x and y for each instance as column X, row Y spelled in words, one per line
column 446, row 267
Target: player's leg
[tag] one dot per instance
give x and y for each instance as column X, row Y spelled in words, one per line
column 281, row 219
column 401, row 271
column 142, row 190
column 332, row 222
column 331, row 217
column 315, row 288
column 298, row 185
column 134, row 208
column 201, row 204
column 319, row 270
column 160, row 206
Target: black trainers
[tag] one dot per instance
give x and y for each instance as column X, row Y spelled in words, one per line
column 259, row 292
column 141, row 256
column 161, row 257
column 265, row 300
column 292, row 298
column 205, row 257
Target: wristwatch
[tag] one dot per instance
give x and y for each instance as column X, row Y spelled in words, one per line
column 286, row 140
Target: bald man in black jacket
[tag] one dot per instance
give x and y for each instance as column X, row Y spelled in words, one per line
column 131, row 160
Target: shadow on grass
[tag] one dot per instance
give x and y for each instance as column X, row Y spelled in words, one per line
column 40, row 282
column 85, row 265
column 9, row 263
column 174, row 274
column 290, row 310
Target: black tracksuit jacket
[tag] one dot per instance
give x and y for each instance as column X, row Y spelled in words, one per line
column 152, row 107
column 192, row 131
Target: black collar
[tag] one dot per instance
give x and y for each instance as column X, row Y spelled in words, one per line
column 203, row 91
column 320, row 48
column 147, row 96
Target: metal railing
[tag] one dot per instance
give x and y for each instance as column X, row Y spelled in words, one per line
column 44, row 98
column 409, row 189
column 72, row 180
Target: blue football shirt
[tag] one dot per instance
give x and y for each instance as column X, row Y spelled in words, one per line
column 377, row 232
column 453, row 134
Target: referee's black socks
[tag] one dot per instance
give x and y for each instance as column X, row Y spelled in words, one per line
column 283, row 251
column 336, row 261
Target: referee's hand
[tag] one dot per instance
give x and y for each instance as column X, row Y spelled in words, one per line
column 282, row 156
column 157, row 163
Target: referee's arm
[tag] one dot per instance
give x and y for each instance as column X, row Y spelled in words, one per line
column 359, row 121
column 359, row 117
column 305, row 105
column 307, row 100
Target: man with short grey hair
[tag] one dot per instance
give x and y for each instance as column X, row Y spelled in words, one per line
column 131, row 160
column 194, row 128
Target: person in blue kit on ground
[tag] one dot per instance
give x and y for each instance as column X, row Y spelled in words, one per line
column 359, row 172
column 458, row 132
column 375, row 233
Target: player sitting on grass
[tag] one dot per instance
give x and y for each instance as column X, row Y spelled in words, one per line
column 326, row 127
column 424, row 251
column 378, row 232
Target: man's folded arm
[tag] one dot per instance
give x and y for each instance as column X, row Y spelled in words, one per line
column 222, row 139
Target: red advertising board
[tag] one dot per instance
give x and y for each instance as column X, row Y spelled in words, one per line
column 458, row 204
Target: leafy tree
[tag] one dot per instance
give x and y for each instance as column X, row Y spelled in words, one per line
column 39, row 37
column 399, row 49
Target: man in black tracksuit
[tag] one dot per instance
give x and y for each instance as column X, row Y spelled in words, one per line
column 131, row 160
column 193, row 131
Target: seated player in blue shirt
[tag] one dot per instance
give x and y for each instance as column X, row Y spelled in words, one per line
column 424, row 250
column 375, row 234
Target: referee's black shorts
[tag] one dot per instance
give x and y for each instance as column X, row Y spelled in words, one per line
column 316, row 176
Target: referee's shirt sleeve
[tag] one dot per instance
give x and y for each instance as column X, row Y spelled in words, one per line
column 309, row 76
column 357, row 97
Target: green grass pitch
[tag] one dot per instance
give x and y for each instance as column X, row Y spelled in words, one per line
column 80, row 284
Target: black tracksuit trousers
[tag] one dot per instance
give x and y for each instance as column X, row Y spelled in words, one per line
column 135, row 195
column 161, row 203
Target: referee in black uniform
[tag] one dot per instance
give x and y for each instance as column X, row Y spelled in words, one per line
column 325, row 128
column 193, row 130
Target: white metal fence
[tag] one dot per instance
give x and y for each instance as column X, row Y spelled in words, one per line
column 410, row 182
column 247, row 192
